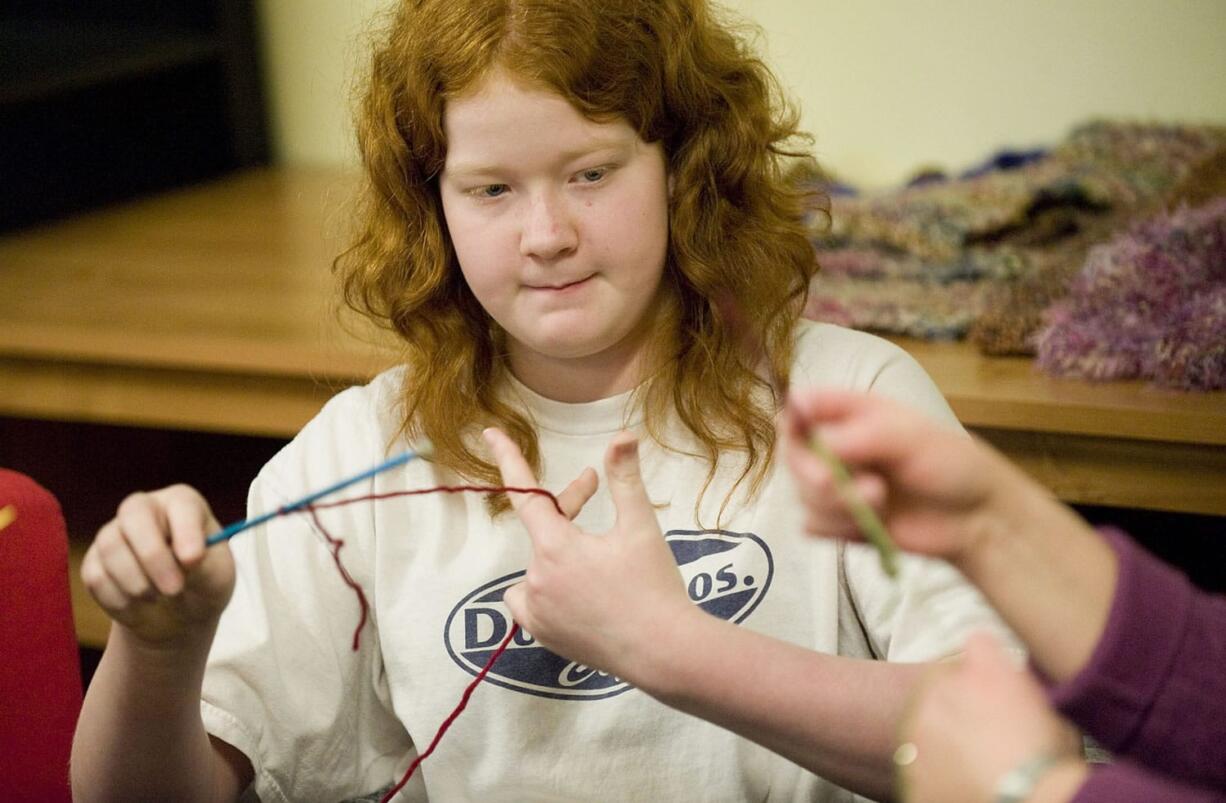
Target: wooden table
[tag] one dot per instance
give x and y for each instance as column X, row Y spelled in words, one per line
column 1122, row 444
column 208, row 309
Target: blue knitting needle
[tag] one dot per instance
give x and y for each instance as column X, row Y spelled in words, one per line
column 237, row 527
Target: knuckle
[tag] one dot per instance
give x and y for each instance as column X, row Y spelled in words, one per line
column 107, row 544
column 181, row 494
column 132, row 504
column 149, row 551
column 546, row 551
column 534, row 583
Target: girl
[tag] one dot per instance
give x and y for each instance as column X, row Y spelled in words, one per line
column 559, row 193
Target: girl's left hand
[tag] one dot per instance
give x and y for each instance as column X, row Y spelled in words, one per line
column 602, row 599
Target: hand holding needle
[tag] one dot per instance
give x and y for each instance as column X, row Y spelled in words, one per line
column 866, row 519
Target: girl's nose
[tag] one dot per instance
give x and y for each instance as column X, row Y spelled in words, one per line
column 548, row 230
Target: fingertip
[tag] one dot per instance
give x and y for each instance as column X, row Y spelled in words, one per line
column 799, row 402
column 791, row 423
column 834, row 436
column 589, row 478
column 621, row 459
column 624, row 445
column 189, row 553
column 514, row 599
column 190, row 547
column 499, row 442
column 872, row 490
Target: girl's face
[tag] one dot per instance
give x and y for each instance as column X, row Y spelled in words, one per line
column 560, row 226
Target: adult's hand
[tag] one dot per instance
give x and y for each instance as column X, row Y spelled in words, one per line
column 974, row 722
column 937, row 491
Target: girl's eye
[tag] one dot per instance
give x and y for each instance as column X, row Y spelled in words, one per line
column 594, row 174
column 491, row 190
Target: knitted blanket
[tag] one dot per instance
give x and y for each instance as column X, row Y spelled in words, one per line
column 984, row 255
column 1150, row 304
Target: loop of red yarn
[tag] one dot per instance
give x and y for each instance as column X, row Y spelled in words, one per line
column 335, row 544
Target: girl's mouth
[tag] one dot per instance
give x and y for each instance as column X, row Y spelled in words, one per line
column 561, row 288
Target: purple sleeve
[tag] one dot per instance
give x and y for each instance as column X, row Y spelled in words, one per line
column 1155, row 686
column 1128, row 783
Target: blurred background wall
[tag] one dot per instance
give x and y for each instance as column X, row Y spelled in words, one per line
column 885, row 86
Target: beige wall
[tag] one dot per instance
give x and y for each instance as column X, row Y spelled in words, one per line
column 885, row 85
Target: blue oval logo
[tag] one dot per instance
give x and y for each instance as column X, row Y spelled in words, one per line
column 726, row 574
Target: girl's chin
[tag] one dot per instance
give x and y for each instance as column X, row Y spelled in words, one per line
column 571, row 345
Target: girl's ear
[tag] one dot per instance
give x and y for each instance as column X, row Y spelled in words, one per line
column 671, row 185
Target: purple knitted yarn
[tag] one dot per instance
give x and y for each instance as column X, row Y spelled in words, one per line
column 1149, row 304
column 1192, row 355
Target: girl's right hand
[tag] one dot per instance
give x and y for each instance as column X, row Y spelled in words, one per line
column 150, row 571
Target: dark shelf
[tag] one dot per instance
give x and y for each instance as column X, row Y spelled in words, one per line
column 107, row 100
column 40, row 59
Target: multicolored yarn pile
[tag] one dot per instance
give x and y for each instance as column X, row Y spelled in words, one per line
column 984, row 255
column 1150, row 304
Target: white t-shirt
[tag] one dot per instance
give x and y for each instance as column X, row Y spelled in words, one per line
column 321, row 722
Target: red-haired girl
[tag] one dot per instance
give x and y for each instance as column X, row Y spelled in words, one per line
column 560, row 194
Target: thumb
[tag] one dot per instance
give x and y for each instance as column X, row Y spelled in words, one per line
column 625, row 477
column 514, row 599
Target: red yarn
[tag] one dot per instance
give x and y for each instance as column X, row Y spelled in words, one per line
column 449, row 489
column 335, row 545
column 468, row 692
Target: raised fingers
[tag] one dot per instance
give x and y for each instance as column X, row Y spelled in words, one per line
column 534, row 510
column 575, row 496
column 625, row 480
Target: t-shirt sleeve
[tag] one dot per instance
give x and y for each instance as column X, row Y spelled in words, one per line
column 283, row 683
column 833, row 357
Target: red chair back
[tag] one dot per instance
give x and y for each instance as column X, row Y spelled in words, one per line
column 40, row 673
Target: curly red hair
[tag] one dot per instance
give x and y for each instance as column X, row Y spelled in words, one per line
column 680, row 75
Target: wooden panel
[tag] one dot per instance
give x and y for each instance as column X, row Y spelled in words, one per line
column 92, row 623
column 1011, row 393
column 195, row 400
column 1189, row 478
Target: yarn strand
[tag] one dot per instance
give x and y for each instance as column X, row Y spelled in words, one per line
column 455, row 713
column 334, row 546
